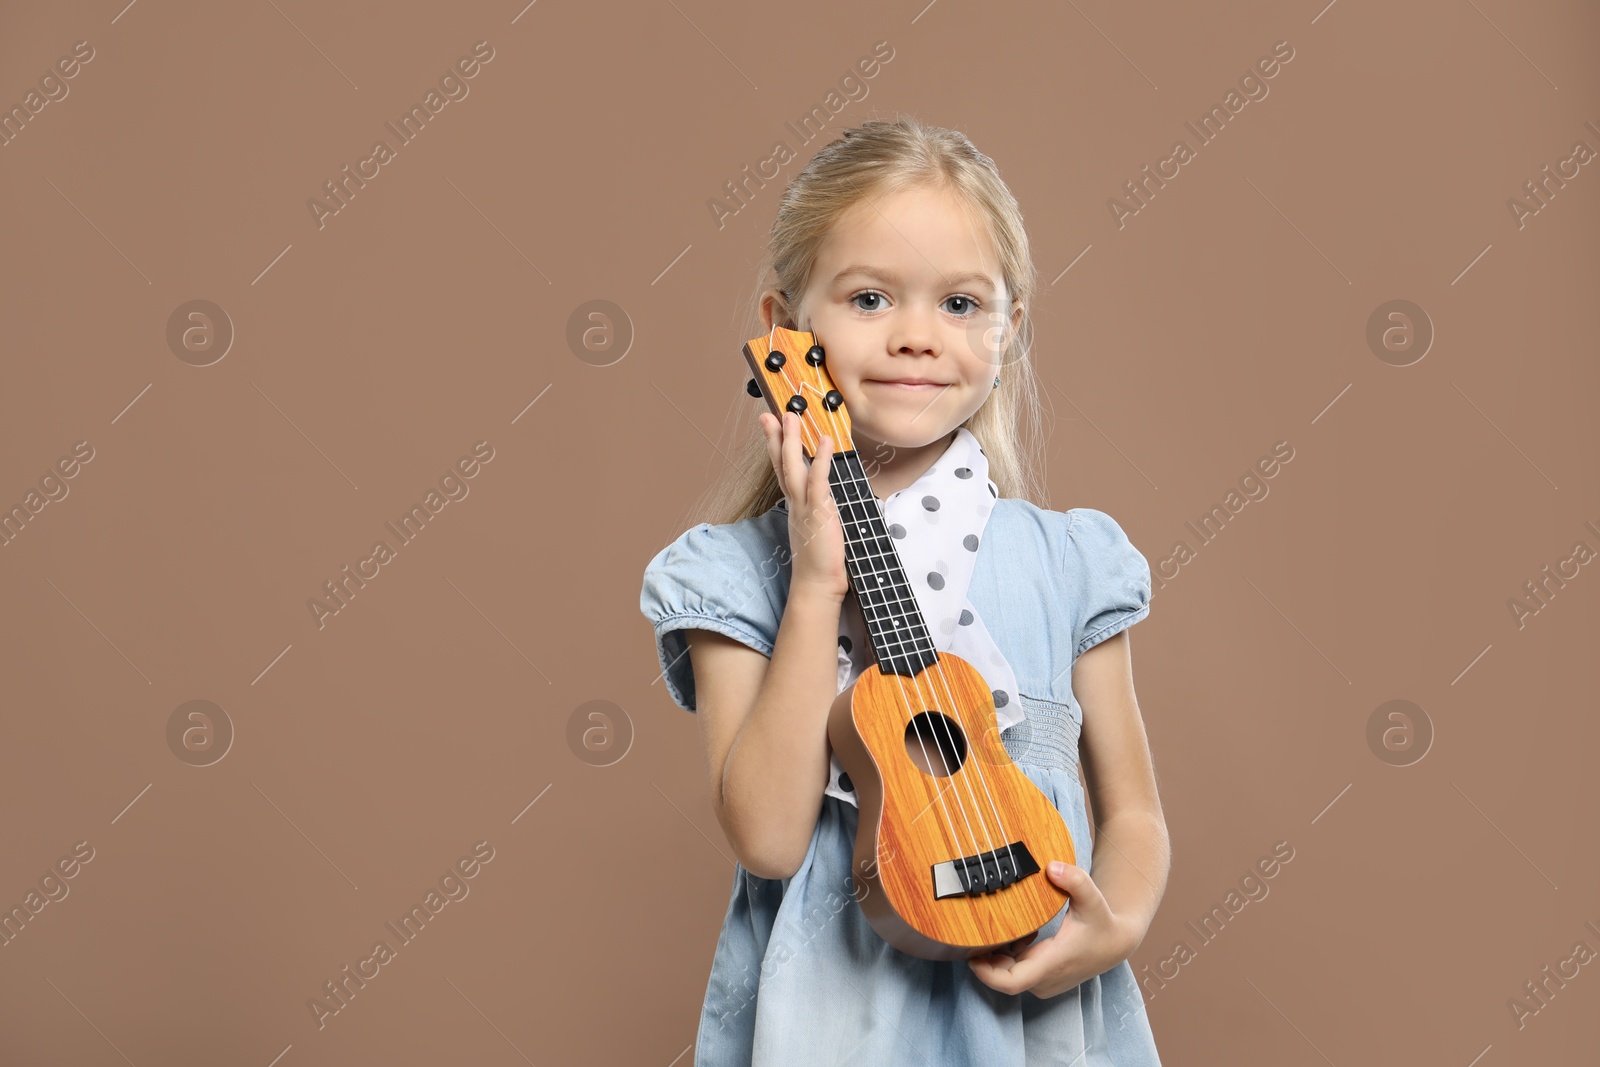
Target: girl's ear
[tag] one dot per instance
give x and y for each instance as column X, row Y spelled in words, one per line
column 775, row 310
column 1017, row 311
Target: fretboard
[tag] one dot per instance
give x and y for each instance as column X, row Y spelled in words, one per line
column 894, row 623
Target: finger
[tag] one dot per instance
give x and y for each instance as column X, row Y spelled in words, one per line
column 1085, row 895
column 794, row 464
column 780, row 448
column 1009, row 975
column 821, row 494
column 1007, row 955
column 772, row 431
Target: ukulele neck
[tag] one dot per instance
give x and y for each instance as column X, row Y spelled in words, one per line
column 894, row 624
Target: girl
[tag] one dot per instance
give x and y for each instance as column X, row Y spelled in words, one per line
column 902, row 250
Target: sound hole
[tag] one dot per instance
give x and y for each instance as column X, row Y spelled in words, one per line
column 936, row 743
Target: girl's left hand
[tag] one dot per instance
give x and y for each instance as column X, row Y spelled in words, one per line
column 1091, row 940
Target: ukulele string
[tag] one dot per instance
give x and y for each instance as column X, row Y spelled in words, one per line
column 944, row 723
column 982, row 778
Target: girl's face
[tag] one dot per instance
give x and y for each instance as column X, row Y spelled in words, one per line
column 908, row 288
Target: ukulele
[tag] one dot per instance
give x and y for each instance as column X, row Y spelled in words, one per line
column 951, row 832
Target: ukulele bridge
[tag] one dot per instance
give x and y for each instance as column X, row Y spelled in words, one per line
column 985, row 872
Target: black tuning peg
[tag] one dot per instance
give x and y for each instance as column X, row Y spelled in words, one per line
column 833, row 400
column 797, row 404
column 814, row 355
column 752, row 388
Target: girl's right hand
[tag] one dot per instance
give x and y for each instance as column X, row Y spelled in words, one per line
column 816, row 541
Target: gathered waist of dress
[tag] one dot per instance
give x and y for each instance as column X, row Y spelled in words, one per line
column 1047, row 737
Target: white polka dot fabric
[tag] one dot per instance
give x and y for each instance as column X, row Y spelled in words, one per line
column 937, row 524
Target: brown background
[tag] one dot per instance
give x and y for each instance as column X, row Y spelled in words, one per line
column 370, row 354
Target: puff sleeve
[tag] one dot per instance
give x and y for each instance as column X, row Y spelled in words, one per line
column 1108, row 580
column 719, row 578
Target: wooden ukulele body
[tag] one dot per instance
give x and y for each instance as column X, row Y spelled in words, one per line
column 911, row 820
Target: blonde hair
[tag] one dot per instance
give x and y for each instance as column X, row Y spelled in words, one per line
column 874, row 159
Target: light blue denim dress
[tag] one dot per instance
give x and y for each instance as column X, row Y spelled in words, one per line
column 799, row 977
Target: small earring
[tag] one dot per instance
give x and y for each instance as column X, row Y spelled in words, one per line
column 997, row 383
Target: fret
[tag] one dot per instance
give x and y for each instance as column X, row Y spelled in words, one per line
column 885, row 602
column 885, row 580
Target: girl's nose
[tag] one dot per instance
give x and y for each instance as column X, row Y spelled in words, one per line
column 914, row 334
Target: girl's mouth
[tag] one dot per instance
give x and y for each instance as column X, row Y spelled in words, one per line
column 910, row 387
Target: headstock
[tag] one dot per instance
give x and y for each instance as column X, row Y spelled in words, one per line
column 792, row 377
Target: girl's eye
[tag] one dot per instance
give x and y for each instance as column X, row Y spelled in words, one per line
column 969, row 305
